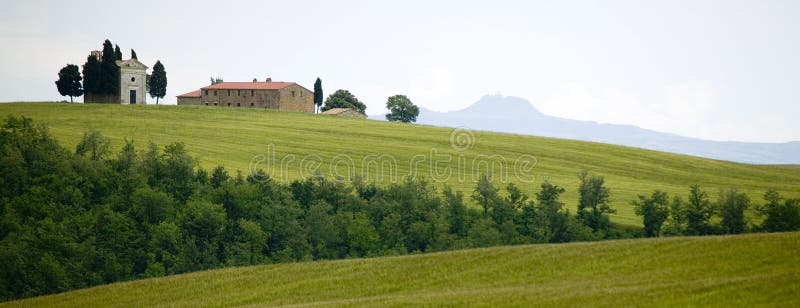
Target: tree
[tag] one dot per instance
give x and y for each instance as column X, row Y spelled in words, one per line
column 732, row 205
column 362, row 235
column 553, row 218
column 109, row 71
column 216, row 80
column 318, row 96
column 202, row 222
column 219, row 177
column 593, row 207
column 117, row 52
column 677, row 217
column 401, row 109
column 149, row 206
column 176, row 171
column 94, row 146
column 254, row 238
column 484, row 233
column 92, row 73
column 166, row 245
column 485, row 193
column 343, row 99
column 515, row 196
column 653, row 210
column 322, row 231
column 698, row 212
column 69, row 81
column 780, row 217
column 456, row 212
column 133, row 54
column 158, row 82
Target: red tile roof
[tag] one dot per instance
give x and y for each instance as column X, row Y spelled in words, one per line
column 195, row 93
column 276, row 85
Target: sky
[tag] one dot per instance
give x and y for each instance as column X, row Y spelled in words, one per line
column 719, row 70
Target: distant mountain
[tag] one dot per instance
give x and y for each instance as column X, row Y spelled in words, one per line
column 516, row 115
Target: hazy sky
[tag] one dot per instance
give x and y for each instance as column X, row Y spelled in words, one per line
column 723, row 70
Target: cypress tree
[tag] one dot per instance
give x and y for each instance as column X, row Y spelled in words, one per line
column 318, row 96
column 109, row 77
column 91, row 75
column 133, row 54
column 157, row 84
column 117, row 52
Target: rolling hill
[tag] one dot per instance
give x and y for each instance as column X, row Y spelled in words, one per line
column 291, row 145
column 744, row 270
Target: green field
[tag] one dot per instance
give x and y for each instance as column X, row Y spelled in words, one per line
column 743, row 270
column 235, row 137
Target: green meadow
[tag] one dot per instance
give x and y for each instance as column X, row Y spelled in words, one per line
column 292, row 145
column 724, row 271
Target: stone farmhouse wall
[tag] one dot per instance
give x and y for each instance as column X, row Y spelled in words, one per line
column 296, row 98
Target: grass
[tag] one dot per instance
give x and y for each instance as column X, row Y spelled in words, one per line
column 239, row 137
column 744, row 270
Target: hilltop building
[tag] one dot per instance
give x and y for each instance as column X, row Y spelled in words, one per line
column 346, row 112
column 268, row 94
column 132, row 83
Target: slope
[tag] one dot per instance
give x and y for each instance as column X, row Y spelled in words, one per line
column 745, row 270
column 290, row 145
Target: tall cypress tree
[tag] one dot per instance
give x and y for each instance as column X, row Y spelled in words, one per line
column 318, row 96
column 158, row 82
column 109, row 77
column 117, row 52
column 91, row 75
column 133, row 54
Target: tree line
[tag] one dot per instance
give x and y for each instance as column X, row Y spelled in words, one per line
column 102, row 76
column 697, row 215
column 77, row 218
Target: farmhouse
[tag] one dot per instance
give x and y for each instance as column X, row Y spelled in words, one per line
column 268, row 94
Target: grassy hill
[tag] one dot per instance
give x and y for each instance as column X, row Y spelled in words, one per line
column 745, row 270
column 239, row 137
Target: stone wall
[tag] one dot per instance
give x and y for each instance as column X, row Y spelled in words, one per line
column 92, row 98
column 296, row 98
column 189, row 101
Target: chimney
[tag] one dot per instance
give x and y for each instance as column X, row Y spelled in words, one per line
column 255, row 80
column 269, row 79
